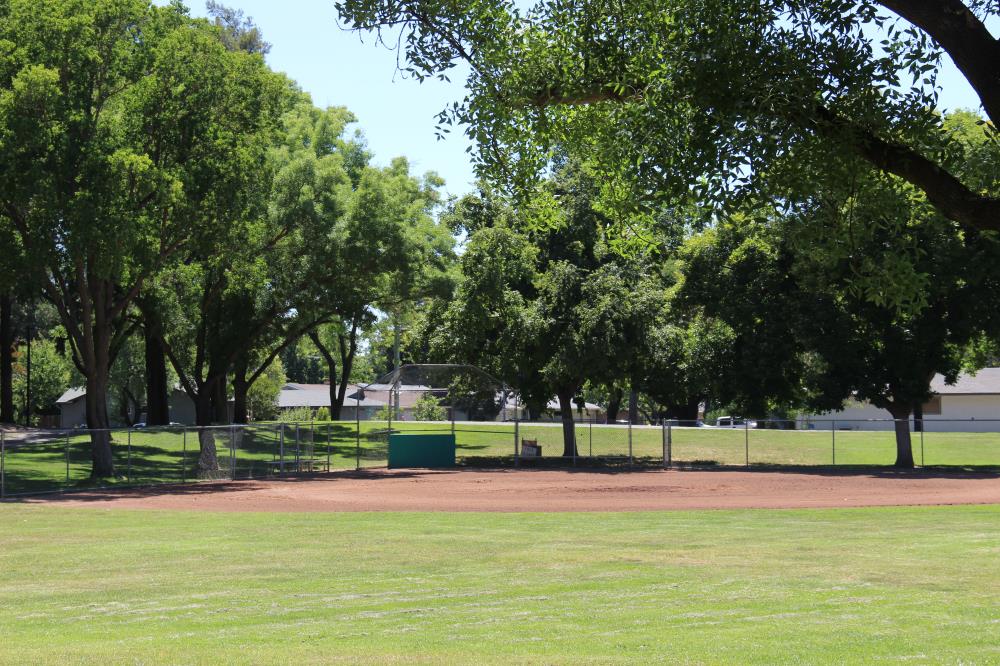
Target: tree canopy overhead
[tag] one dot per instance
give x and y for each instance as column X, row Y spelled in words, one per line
column 711, row 97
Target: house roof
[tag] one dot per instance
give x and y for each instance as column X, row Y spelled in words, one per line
column 318, row 395
column 71, row 395
column 983, row 382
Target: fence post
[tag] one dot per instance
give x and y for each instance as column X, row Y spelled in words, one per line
column 590, row 428
column 3, row 464
column 128, row 465
column 184, row 448
column 67, row 458
column 746, row 439
column 517, row 424
column 329, row 439
column 232, row 452
column 357, row 431
column 921, row 442
column 833, row 429
column 663, row 436
column 298, row 449
column 281, row 448
column 670, row 444
column 630, row 441
column 574, row 445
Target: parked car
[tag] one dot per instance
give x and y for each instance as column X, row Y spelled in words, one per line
column 734, row 422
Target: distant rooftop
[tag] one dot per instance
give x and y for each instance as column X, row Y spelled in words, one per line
column 984, row 382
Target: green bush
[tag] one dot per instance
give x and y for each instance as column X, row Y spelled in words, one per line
column 296, row 415
column 428, row 409
column 323, row 414
column 383, row 413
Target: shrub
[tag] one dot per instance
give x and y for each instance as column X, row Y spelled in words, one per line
column 296, row 415
column 428, row 409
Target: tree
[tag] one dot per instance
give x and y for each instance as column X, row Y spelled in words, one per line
column 690, row 360
column 127, row 382
column 546, row 307
column 803, row 330
column 51, row 374
column 125, row 128
column 428, row 409
column 262, row 397
column 155, row 363
column 238, row 32
column 6, row 360
column 714, row 95
column 395, row 256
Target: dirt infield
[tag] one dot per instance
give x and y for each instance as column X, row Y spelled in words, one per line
column 549, row 490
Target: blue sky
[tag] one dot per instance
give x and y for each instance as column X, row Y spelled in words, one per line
column 337, row 68
column 397, row 115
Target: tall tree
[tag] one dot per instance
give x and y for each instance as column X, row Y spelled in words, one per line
column 238, row 31
column 126, row 127
column 6, row 359
column 545, row 306
column 804, row 331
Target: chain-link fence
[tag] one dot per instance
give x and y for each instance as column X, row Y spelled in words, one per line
column 39, row 461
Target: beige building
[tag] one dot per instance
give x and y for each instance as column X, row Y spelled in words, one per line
column 971, row 404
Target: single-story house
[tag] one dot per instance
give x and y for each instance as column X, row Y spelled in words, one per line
column 590, row 412
column 73, row 409
column 314, row 396
column 971, row 404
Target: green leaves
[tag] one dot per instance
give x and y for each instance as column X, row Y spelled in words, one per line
column 719, row 100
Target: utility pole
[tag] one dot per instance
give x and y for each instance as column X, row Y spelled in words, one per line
column 27, row 388
column 396, row 362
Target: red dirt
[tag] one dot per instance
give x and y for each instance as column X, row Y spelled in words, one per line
column 548, row 490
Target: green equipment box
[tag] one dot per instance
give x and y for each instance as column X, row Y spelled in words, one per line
column 437, row 450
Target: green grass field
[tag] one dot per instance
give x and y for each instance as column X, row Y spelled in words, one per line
column 897, row 585
column 162, row 457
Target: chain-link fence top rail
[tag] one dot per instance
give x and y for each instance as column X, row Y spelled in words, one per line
column 41, row 461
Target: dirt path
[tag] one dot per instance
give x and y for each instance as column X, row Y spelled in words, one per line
column 547, row 490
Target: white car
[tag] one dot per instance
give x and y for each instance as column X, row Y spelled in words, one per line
column 734, row 422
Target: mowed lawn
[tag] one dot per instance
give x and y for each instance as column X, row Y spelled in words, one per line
column 913, row 585
column 150, row 456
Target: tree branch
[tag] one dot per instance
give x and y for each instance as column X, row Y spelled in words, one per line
column 948, row 194
column 965, row 38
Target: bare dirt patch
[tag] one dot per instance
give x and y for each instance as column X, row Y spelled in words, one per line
column 555, row 490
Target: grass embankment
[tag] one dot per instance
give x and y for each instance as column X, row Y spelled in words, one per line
column 920, row 585
column 171, row 456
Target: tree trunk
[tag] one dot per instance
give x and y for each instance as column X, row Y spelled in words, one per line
column 157, row 393
column 6, row 361
column 347, row 353
column 614, row 404
column 331, row 373
column 125, row 408
column 96, row 404
column 338, row 392
column 633, row 407
column 208, row 461
column 568, row 425
column 220, row 399
column 904, row 449
column 240, row 389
